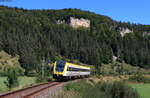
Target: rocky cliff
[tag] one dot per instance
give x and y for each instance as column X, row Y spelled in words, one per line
column 75, row 22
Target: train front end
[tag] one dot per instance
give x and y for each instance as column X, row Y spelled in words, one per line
column 59, row 69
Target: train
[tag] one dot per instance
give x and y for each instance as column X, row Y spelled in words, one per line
column 66, row 70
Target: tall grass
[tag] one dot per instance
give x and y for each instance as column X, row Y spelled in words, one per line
column 85, row 90
column 117, row 90
column 66, row 94
column 102, row 90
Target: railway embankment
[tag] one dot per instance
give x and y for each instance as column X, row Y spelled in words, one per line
column 44, row 90
column 107, row 87
column 37, row 91
column 87, row 88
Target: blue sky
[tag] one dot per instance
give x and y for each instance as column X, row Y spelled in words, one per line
column 135, row 11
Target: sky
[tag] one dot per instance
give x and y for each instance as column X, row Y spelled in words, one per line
column 134, row 11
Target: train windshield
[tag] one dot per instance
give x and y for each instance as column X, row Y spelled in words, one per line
column 60, row 66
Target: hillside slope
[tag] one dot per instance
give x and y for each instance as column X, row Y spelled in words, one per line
column 8, row 62
column 35, row 34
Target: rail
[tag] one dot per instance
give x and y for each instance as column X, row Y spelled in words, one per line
column 31, row 91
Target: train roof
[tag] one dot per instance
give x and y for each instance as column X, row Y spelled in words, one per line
column 82, row 64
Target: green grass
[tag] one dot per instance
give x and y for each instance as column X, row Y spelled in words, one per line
column 143, row 89
column 90, row 89
column 23, row 82
column 2, row 85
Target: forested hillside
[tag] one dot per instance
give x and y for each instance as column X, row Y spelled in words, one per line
column 34, row 36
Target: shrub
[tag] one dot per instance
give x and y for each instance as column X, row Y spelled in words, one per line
column 139, row 78
column 41, row 78
column 66, row 94
column 117, row 68
column 85, row 90
column 12, row 79
column 117, row 90
column 102, row 90
column 9, row 62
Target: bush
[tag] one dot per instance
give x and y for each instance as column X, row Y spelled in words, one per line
column 102, row 90
column 85, row 90
column 66, row 94
column 12, row 79
column 117, row 90
column 117, row 68
column 41, row 78
column 139, row 78
column 9, row 62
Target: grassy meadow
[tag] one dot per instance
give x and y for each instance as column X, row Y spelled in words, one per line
column 23, row 82
column 105, row 87
column 80, row 89
column 143, row 89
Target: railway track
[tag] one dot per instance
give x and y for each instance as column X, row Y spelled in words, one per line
column 37, row 91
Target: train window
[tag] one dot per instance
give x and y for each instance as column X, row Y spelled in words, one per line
column 60, row 66
column 76, row 69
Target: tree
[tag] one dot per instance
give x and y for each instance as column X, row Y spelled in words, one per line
column 12, row 79
column 33, row 34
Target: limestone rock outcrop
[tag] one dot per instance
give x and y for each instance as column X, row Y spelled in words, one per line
column 124, row 31
column 75, row 22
